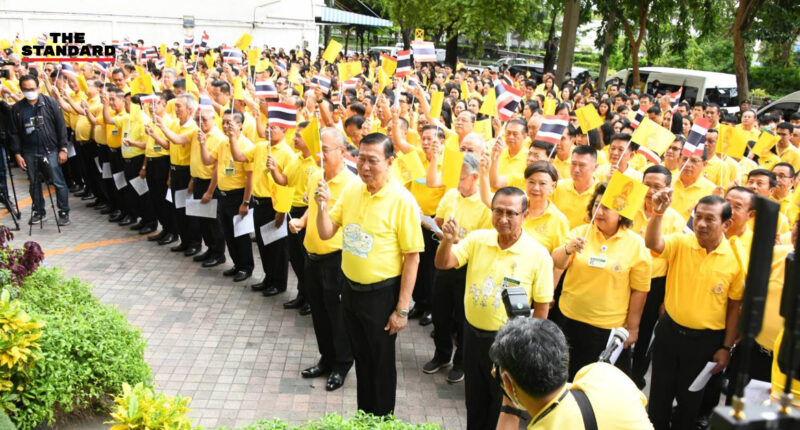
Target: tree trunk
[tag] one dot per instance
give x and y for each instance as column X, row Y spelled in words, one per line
column 346, row 39
column 566, row 46
column 405, row 33
column 608, row 45
column 739, row 60
column 550, row 45
column 451, row 57
column 636, row 43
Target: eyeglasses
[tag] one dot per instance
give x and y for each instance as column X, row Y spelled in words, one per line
column 502, row 213
column 371, row 161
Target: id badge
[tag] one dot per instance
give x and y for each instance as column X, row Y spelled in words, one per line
column 157, row 148
column 462, row 232
column 598, row 262
column 510, row 282
column 114, row 132
column 229, row 171
column 125, row 135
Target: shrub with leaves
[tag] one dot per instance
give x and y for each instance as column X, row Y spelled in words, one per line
column 139, row 408
column 18, row 349
column 359, row 421
column 17, row 263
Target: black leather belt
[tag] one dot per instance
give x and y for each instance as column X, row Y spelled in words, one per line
column 363, row 288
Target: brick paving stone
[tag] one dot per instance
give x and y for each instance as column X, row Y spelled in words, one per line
column 237, row 353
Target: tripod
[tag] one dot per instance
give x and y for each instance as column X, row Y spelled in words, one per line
column 41, row 169
column 15, row 214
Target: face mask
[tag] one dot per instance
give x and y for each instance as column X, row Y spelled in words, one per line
column 30, row 95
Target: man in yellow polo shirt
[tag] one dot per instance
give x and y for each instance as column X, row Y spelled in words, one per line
column 691, row 185
column 572, row 196
column 514, row 157
column 114, row 116
column 499, row 258
column 531, row 357
column 381, row 243
column 704, row 289
column 323, row 267
column 180, row 136
column 133, row 149
column 157, row 172
column 620, row 152
column 85, row 147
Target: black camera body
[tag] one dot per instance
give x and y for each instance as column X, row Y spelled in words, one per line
column 515, row 300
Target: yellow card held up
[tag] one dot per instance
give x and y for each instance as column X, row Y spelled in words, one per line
column 624, row 195
column 588, row 118
column 489, row 105
column 765, row 142
column 651, row 135
column 348, row 70
column 282, row 198
column 310, row 136
column 244, row 41
column 410, row 166
column 550, row 106
column 451, row 167
column 437, row 99
column 731, row 141
column 82, row 83
column 332, row 51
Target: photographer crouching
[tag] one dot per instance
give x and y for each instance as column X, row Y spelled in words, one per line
column 39, row 143
column 531, row 362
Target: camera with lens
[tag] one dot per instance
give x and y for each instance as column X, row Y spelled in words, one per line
column 515, row 300
column 4, row 74
column 37, row 121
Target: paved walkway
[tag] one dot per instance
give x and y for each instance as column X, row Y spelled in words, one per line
column 237, row 354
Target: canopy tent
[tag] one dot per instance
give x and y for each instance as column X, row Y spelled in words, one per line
column 338, row 16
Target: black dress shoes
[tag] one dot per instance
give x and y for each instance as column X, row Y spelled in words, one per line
column 115, row 216
column 314, row 371
column 230, row 272
column 426, row 319
column 202, row 257
column 168, row 238
column 416, row 312
column 126, row 220
column 104, row 209
column 261, row 286
column 190, row 251
column 88, row 196
column 157, row 237
column 241, row 276
column 179, row 248
column 295, row 303
column 305, row 310
column 139, row 225
column 335, row 381
column 272, row 291
column 211, row 262
column 147, row 229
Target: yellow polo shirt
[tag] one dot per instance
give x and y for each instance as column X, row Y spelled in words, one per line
column 197, row 168
column 99, row 131
column 607, row 387
column 549, row 229
column 153, row 150
column 298, row 175
column 722, row 172
column 470, row 212
column 377, row 230
column 671, row 223
column 597, row 286
column 231, row 175
column 572, row 203
column 312, row 242
column 491, row 270
column 562, row 166
column 700, row 284
column 133, row 126
column 114, row 131
column 773, row 321
column 83, row 128
column 790, row 155
column 249, row 126
column 257, row 154
column 685, row 198
column 181, row 155
column 507, row 164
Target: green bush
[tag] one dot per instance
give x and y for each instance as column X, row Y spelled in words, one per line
column 88, row 350
column 360, row 421
column 139, row 408
column 777, row 81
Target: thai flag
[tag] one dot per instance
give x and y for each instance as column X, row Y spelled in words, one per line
column 126, row 43
column 266, row 89
column 151, row 53
column 101, row 66
column 508, row 99
column 649, row 154
column 42, row 40
column 349, row 84
column 68, row 70
column 335, row 99
column 552, row 128
column 281, row 66
column 232, row 56
column 412, row 82
column 675, row 97
column 696, row 141
column 161, row 63
column 188, row 42
column 322, row 82
column 403, row 63
column 282, row 115
column 148, row 98
column 507, row 79
column 638, row 118
column 424, row 52
column 203, row 43
column 190, row 68
column 115, row 42
column 205, row 103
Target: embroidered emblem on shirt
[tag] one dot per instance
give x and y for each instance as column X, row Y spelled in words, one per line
column 356, row 241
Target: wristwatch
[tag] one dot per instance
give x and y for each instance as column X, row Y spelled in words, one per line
column 403, row 313
column 246, row 203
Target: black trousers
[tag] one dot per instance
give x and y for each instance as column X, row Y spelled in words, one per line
column 210, row 228
column 187, row 226
column 110, row 190
column 239, row 248
column 482, row 392
column 274, row 256
column 365, row 316
column 324, row 282
column 760, row 368
column 679, row 354
column 448, row 314
column 297, row 252
column 586, row 343
column 423, row 288
column 157, row 174
column 92, row 175
column 140, row 205
column 117, row 166
column 641, row 361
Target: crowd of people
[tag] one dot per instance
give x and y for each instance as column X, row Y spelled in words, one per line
column 376, row 220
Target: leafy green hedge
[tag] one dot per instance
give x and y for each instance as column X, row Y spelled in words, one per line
column 777, row 81
column 87, row 350
column 360, row 421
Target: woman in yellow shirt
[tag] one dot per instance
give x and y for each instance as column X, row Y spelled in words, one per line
column 544, row 221
column 605, row 286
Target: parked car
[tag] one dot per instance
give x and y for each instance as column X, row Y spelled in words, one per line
column 787, row 105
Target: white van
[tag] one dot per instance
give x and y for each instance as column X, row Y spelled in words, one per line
column 711, row 87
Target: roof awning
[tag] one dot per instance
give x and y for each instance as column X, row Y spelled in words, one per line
column 338, row 16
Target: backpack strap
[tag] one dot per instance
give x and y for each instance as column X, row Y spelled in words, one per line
column 587, row 413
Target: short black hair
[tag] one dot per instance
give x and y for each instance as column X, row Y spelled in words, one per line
column 659, row 169
column 717, row 200
column 379, row 139
column 773, row 180
column 512, row 191
column 542, row 144
column 28, row 77
column 784, row 164
column 534, row 352
column 783, row 125
column 750, row 193
column 541, row 166
column 439, row 131
column 356, row 120
column 521, row 122
column 585, row 149
column 358, row 108
column 223, row 86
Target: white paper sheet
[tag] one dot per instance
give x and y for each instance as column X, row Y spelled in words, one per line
column 97, row 163
column 198, row 208
column 180, row 199
column 270, row 234
column 71, row 150
column 430, row 223
column 242, row 226
column 106, row 171
column 169, row 195
column 757, row 392
column 140, row 185
column 119, row 180
column 702, row 379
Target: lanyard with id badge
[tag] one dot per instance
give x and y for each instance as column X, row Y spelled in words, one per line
column 514, row 297
column 599, row 261
column 229, row 169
